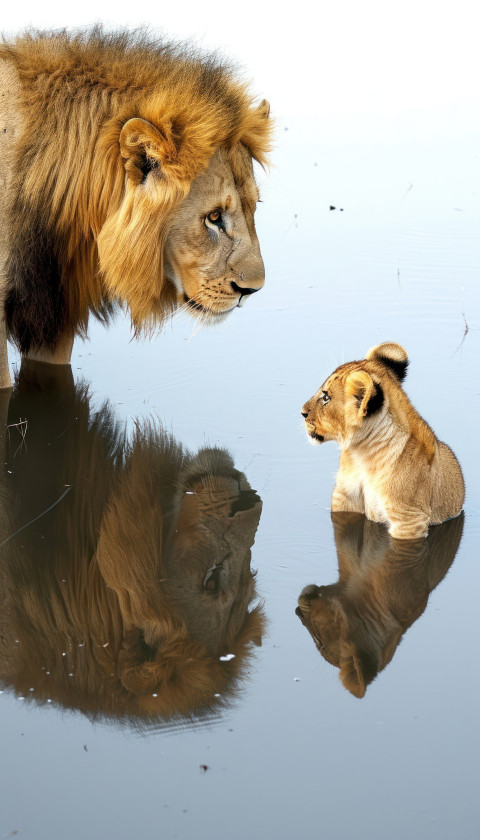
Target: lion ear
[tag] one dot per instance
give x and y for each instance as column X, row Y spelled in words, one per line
column 176, row 664
column 392, row 356
column 145, row 147
column 264, row 109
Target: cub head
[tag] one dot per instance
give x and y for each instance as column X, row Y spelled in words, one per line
column 322, row 611
column 354, row 395
column 183, row 234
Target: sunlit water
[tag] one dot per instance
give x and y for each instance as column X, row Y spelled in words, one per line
column 287, row 749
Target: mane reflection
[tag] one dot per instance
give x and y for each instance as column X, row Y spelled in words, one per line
column 125, row 583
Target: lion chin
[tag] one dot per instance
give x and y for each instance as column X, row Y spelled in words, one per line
column 150, row 204
column 205, row 315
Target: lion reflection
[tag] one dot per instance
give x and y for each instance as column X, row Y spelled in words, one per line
column 125, row 581
column 383, row 587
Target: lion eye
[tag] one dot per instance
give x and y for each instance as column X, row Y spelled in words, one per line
column 215, row 219
column 325, row 398
column 211, row 581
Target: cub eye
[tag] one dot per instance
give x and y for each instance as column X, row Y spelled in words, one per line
column 325, row 398
column 215, row 219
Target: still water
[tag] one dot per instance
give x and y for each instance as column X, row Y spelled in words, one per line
column 184, row 459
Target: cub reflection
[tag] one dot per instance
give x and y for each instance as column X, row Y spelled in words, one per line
column 383, row 587
column 125, row 580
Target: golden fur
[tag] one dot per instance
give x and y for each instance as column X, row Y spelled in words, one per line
column 121, row 600
column 392, row 467
column 383, row 587
column 105, row 135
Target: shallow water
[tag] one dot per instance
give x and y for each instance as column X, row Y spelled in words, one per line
column 286, row 748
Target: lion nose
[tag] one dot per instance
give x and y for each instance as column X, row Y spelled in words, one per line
column 304, row 414
column 241, row 291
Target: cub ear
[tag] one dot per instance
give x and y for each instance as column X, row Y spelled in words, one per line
column 357, row 669
column 367, row 393
column 145, row 147
column 351, row 675
column 392, row 356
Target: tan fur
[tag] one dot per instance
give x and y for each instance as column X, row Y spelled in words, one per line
column 106, row 604
column 383, row 587
column 82, row 115
column 392, row 467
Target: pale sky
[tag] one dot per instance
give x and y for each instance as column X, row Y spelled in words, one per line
column 369, row 62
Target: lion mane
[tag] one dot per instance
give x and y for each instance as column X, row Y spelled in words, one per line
column 95, row 113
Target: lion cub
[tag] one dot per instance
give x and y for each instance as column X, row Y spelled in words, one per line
column 392, row 467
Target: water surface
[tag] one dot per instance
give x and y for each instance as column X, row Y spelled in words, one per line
column 286, row 749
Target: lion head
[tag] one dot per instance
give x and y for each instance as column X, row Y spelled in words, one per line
column 133, row 183
column 132, row 595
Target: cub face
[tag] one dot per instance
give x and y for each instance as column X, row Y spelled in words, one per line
column 342, row 404
column 353, row 395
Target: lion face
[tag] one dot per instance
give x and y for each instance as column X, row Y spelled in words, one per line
column 212, row 255
column 207, row 563
column 342, row 405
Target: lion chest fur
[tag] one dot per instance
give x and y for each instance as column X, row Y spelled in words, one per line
column 392, row 467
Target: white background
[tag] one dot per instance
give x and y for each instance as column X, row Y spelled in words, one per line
column 391, row 70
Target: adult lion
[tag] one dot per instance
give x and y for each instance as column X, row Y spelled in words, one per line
column 384, row 584
column 125, row 177
column 125, row 583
